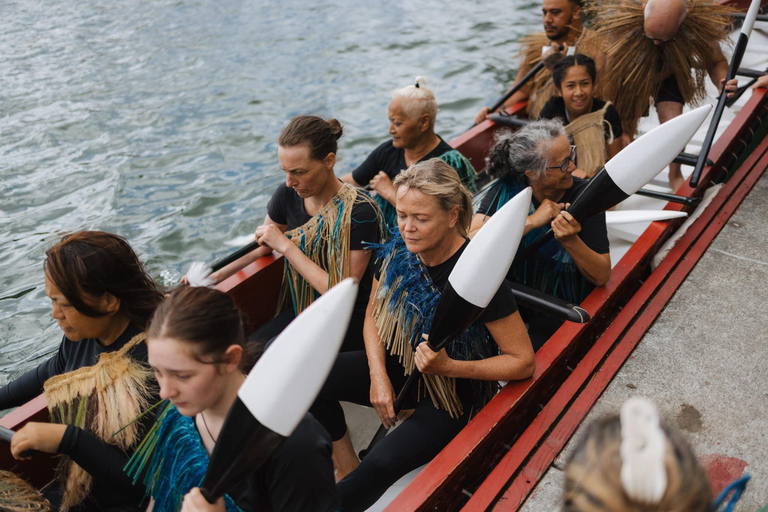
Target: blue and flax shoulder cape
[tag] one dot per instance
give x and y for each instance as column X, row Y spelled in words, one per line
column 325, row 239
column 172, row 460
column 404, row 303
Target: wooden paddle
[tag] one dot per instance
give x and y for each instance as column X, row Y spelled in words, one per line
column 738, row 54
column 473, row 282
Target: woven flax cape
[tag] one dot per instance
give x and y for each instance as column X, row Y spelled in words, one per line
column 404, row 303
column 325, row 239
column 636, row 67
column 172, row 460
column 16, row 495
column 588, row 133
column 101, row 399
column 541, row 85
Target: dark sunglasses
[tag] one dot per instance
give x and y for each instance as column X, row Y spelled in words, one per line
column 566, row 164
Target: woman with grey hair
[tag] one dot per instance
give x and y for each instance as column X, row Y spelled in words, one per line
column 577, row 259
column 412, row 113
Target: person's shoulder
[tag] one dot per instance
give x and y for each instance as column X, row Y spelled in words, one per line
column 554, row 107
column 308, row 438
column 576, row 188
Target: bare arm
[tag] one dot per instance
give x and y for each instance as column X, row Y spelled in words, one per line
column 313, row 273
column 614, row 147
column 249, row 258
column 382, row 394
column 718, row 65
column 151, row 505
column 543, row 215
column 516, row 361
column 347, row 178
column 592, row 265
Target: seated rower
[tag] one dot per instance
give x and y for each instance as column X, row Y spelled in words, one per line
column 319, row 225
column 195, row 344
column 412, row 114
column 593, row 124
column 433, row 213
column 577, row 259
column 102, row 299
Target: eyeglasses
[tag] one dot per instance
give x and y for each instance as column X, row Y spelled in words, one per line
column 566, row 164
column 659, row 41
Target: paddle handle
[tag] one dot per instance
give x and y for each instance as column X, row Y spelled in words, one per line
column 234, row 256
column 738, row 54
column 7, row 434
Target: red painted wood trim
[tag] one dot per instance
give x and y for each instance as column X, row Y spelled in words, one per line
column 663, row 282
column 449, row 463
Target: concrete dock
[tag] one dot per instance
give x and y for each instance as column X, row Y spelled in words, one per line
column 704, row 363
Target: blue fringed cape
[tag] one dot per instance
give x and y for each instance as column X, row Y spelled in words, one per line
column 463, row 168
column 404, row 303
column 172, row 460
column 551, row 270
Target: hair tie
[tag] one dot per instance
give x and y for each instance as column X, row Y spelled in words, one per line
column 643, row 446
column 417, row 85
column 198, row 274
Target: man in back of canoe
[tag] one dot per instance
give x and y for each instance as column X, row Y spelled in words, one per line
column 651, row 49
column 562, row 26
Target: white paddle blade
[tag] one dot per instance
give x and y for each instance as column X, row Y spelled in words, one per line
column 613, row 218
column 287, row 378
column 485, row 262
column 641, row 161
column 749, row 19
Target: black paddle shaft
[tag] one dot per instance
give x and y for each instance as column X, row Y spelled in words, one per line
column 226, row 260
column 738, row 54
column 7, row 434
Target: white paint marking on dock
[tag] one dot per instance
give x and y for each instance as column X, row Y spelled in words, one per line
column 739, row 257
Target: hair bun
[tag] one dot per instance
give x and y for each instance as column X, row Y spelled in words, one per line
column 336, row 128
column 420, row 81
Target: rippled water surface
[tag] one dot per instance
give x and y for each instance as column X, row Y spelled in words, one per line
column 157, row 119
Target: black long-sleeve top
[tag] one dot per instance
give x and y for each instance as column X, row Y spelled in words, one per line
column 112, row 489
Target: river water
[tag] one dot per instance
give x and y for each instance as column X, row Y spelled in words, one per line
column 158, row 119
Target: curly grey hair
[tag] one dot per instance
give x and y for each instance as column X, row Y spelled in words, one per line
column 524, row 150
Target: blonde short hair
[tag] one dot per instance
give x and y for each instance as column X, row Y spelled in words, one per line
column 441, row 181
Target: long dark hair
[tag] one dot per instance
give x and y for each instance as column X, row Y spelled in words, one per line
column 92, row 263
column 319, row 135
column 207, row 319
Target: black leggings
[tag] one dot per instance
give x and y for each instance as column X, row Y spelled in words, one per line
column 412, row 444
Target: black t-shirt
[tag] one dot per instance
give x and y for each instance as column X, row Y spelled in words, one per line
column 555, row 108
column 593, row 230
column 298, row 476
column 391, row 160
column 286, row 207
column 502, row 304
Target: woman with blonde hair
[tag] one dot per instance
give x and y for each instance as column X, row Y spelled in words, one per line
column 412, row 114
column 434, row 211
column 633, row 462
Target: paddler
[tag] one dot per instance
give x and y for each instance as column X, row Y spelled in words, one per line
column 196, row 343
column 562, row 27
column 577, row 259
column 434, row 211
column 318, row 223
column 412, row 114
column 652, row 48
column 593, row 124
column 102, row 299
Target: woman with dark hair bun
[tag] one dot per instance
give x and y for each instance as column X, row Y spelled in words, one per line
column 318, row 223
column 102, row 299
column 593, row 124
column 201, row 361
